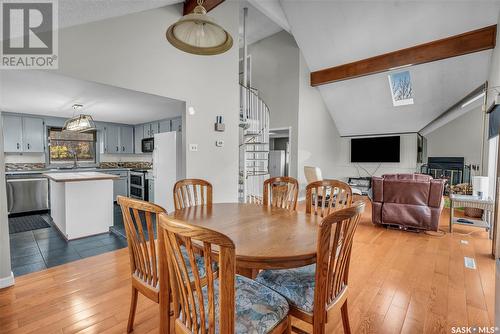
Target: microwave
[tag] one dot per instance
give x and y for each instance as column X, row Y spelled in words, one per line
column 148, row 145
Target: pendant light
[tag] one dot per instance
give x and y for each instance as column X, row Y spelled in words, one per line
column 197, row 33
column 80, row 123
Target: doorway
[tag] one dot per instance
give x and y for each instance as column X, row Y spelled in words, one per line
column 279, row 152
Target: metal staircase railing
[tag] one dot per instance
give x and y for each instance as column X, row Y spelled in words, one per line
column 254, row 144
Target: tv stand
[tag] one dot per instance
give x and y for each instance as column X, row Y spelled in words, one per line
column 363, row 184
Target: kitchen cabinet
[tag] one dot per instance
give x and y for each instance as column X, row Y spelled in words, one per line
column 118, row 139
column 138, row 136
column 176, row 124
column 150, row 129
column 121, row 185
column 33, row 133
column 112, row 139
column 165, row 126
column 13, row 134
column 127, row 139
column 23, row 134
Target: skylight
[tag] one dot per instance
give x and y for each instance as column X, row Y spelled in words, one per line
column 401, row 88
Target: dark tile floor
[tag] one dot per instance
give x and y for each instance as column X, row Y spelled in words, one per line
column 44, row 248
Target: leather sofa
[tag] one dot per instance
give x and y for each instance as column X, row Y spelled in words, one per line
column 410, row 201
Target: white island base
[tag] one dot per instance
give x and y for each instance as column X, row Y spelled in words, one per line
column 81, row 203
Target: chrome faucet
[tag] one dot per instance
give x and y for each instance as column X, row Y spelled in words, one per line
column 75, row 159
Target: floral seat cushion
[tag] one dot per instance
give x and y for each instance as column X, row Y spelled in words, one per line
column 200, row 263
column 258, row 308
column 296, row 285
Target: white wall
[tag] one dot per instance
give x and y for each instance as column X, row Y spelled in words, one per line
column 319, row 140
column 458, row 138
column 275, row 73
column 281, row 74
column 407, row 164
column 132, row 52
column 6, row 277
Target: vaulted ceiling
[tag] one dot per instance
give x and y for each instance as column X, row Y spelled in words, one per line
column 332, row 33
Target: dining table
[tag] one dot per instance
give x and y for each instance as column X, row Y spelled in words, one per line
column 264, row 237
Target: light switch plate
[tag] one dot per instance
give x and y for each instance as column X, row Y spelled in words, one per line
column 219, row 143
column 193, row 147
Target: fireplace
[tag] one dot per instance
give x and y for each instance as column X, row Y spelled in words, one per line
column 452, row 169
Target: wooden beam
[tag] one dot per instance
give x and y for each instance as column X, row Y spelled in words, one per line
column 208, row 4
column 458, row 45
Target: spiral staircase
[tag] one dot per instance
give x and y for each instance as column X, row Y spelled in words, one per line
column 254, row 145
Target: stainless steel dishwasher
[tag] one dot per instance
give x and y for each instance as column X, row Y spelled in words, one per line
column 27, row 192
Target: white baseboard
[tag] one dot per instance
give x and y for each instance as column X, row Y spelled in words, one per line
column 7, row 281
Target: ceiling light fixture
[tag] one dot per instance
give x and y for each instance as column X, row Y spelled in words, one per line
column 198, row 34
column 80, row 123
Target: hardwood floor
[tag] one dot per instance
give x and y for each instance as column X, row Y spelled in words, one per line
column 400, row 282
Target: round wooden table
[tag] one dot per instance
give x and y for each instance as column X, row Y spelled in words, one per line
column 265, row 238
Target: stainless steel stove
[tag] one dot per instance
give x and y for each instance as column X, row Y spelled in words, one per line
column 139, row 184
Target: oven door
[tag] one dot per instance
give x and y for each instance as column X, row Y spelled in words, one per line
column 137, row 192
column 137, row 179
column 148, row 145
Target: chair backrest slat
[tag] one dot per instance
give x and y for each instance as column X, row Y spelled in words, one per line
column 192, row 192
column 326, row 196
column 281, row 192
column 139, row 228
column 194, row 295
column 335, row 238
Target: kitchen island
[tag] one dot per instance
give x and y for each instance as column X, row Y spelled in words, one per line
column 81, row 203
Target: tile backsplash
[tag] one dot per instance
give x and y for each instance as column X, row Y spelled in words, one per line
column 126, row 164
column 9, row 166
column 36, row 166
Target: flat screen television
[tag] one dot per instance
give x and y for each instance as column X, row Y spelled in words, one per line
column 375, row 149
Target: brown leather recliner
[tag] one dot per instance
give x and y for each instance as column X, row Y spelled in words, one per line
column 408, row 200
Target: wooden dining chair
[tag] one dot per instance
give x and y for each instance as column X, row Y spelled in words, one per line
column 191, row 192
column 139, row 229
column 219, row 301
column 317, row 291
column 326, row 196
column 281, row 192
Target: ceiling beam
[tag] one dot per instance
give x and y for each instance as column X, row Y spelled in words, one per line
column 208, row 4
column 458, row 45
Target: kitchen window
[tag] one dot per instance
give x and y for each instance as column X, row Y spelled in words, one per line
column 65, row 146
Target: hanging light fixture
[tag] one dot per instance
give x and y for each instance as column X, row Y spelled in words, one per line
column 80, row 123
column 197, row 33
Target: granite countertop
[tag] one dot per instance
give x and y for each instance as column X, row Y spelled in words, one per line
column 39, row 168
column 79, row 176
column 68, row 170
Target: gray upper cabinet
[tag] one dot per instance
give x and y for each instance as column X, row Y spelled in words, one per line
column 112, row 139
column 155, row 128
column 150, row 129
column 33, row 132
column 127, row 139
column 118, row 139
column 13, row 133
column 138, row 136
column 165, row 126
column 176, row 124
column 23, row 134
